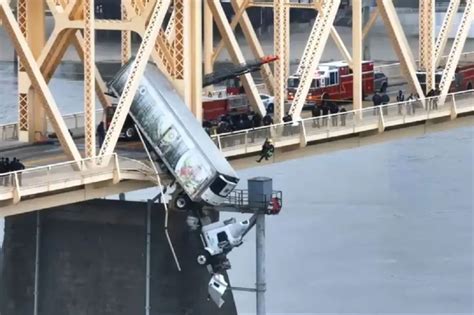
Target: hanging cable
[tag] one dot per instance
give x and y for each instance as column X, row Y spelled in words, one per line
column 164, row 203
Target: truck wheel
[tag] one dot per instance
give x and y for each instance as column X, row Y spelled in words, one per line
column 469, row 86
column 130, row 133
column 270, row 108
column 182, row 202
column 203, row 258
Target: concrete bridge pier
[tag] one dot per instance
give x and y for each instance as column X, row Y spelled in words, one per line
column 92, row 260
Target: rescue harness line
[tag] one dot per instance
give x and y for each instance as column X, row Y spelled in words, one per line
column 170, row 243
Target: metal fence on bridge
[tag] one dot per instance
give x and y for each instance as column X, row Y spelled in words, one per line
column 351, row 122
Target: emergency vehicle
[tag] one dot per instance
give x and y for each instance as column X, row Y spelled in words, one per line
column 334, row 79
column 463, row 78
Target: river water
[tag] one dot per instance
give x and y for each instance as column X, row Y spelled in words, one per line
column 386, row 228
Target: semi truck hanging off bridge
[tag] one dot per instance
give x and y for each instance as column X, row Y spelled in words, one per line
column 212, row 107
column 202, row 175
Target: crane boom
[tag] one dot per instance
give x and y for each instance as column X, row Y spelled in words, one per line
column 236, row 70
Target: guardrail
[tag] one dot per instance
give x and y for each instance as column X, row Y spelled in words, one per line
column 336, row 125
column 74, row 122
column 69, row 174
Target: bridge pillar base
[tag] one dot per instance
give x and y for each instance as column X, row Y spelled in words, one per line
column 92, row 256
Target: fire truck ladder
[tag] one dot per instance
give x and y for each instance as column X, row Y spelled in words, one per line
column 236, row 70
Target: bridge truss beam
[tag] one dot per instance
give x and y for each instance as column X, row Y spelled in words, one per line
column 313, row 53
column 456, row 50
column 446, row 27
column 37, row 80
column 138, row 68
column 399, row 41
column 89, row 78
column 427, row 41
column 236, row 54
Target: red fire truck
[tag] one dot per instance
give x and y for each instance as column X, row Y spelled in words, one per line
column 223, row 102
column 463, row 78
column 335, row 79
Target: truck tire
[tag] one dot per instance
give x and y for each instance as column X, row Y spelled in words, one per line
column 469, row 86
column 203, row 258
column 181, row 202
column 130, row 133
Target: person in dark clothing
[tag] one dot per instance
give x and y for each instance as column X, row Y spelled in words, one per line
column 16, row 165
column 400, row 100
column 3, row 169
column 223, row 127
column 256, row 120
column 101, row 133
column 267, row 150
column 287, row 126
column 385, row 101
column 267, row 120
column 377, row 101
column 325, row 112
column 316, row 112
column 343, row 115
column 430, row 100
column 334, row 109
column 436, row 95
column 7, row 168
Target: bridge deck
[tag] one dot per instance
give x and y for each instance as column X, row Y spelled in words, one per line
column 69, row 182
column 36, row 184
column 238, row 144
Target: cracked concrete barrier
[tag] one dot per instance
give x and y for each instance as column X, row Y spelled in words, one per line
column 93, row 261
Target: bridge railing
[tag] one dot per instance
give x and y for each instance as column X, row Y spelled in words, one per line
column 59, row 173
column 9, row 132
column 72, row 173
column 323, row 127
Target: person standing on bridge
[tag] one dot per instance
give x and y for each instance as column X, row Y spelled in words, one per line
column 343, row 116
column 377, row 100
column 7, row 169
column 316, row 112
column 287, row 130
column 101, row 133
column 17, row 166
column 430, row 99
column 400, row 100
column 3, row 169
column 436, row 95
column 334, row 109
column 385, row 101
